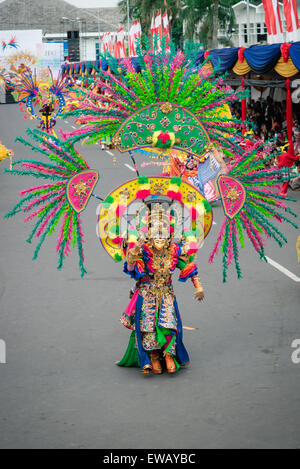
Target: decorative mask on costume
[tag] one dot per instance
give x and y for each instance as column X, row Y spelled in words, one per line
column 159, row 228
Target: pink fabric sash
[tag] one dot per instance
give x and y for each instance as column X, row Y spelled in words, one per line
column 132, row 304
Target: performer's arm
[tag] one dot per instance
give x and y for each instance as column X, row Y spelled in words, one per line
column 134, row 253
column 189, row 270
column 199, row 292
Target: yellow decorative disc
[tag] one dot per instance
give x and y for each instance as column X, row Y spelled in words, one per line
column 127, row 199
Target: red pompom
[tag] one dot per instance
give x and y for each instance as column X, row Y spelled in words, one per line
column 143, row 193
column 117, row 240
column 175, row 195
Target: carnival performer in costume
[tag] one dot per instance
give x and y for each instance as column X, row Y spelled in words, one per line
column 49, row 98
column 46, row 111
column 166, row 105
column 156, row 318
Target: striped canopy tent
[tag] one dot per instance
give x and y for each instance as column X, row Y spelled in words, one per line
column 89, row 67
column 282, row 58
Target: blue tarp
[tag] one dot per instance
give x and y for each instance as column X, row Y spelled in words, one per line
column 226, row 58
column 200, row 58
column 262, row 59
column 89, row 67
column 295, row 54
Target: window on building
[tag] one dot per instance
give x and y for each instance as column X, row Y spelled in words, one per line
column 97, row 50
column 245, row 32
column 261, row 32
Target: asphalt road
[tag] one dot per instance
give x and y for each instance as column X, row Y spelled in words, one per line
column 60, row 387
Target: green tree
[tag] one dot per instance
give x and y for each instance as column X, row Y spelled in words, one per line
column 204, row 18
column 143, row 10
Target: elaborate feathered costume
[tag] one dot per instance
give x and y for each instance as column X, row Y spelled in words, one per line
column 166, row 104
column 43, row 101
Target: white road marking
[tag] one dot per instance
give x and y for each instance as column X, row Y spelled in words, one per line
column 110, row 153
column 214, row 223
column 73, row 127
column 283, row 270
column 129, row 167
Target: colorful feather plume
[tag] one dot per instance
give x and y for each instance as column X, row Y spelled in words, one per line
column 62, row 85
column 252, row 207
column 4, row 79
column 24, row 84
column 171, row 78
column 166, row 77
column 29, row 92
column 250, row 203
column 19, row 61
column 48, row 204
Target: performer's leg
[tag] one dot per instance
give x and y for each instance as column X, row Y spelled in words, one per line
column 169, row 354
column 151, row 346
column 156, row 363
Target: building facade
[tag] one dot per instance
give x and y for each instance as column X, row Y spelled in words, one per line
column 57, row 18
column 257, row 33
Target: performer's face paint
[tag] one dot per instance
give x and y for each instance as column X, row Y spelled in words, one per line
column 160, row 243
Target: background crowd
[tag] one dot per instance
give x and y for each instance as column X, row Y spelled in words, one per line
column 267, row 121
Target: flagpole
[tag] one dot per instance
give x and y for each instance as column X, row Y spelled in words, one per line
column 128, row 28
column 248, row 23
column 128, row 17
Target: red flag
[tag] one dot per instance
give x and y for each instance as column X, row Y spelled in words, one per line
column 165, row 28
column 292, row 20
column 132, row 38
column 158, row 30
column 291, row 15
column 273, row 20
column 152, row 27
column 121, row 51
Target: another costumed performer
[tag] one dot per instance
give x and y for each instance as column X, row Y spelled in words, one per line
column 287, row 160
column 156, row 318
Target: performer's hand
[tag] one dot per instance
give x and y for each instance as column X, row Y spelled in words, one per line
column 199, row 295
column 140, row 241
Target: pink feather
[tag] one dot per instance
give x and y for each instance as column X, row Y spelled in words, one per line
column 49, row 216
column 219, row 239
column 230, row 245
